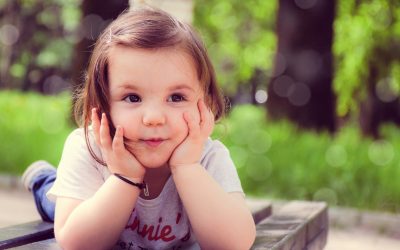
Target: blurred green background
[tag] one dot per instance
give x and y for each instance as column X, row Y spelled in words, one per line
column 314, row 89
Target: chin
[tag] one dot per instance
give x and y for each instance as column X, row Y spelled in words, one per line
column 153, row 163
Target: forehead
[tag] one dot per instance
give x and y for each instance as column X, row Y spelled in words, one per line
column 151, row 67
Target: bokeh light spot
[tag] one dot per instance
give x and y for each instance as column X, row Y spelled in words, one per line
column 381, row 152
column 9, row 34
column 282, row 84
column 299, row 94
column 261, row 96
column 92, row 25
column 387, row 89
column 55, row 84
column 336, row 155
column 259, row 141
column 326, row 194
column 308, row 65
column 259, row 168
column 239, row 156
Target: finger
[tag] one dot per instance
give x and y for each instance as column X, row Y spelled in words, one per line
column 96, row 125
column 203, row 112
column 105, row 138
column 193, row 127
column 118, row 141
column 209, row 126
column 207, row 117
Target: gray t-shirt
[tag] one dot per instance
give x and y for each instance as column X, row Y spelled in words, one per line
column 160, row 223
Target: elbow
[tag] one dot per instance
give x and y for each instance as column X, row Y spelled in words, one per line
column 248, row 235
column 245, row 239
column 71, row 240
column 251, row 236
column 64, row 240
column 67, row 240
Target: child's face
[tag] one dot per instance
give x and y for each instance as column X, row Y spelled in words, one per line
column 149, row 92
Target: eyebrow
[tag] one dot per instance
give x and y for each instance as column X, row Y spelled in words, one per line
column 127, row 86
column 181, row 86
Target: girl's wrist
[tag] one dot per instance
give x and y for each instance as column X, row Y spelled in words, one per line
column 136, row 179
column 132, row 181
column 134, row 174
column 182, row 167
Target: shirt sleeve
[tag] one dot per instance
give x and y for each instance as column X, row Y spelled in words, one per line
column 220, row 166
column 79, row 176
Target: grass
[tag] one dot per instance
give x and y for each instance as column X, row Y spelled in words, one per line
column 32, row 127
column 278, row 160
column 273, row 159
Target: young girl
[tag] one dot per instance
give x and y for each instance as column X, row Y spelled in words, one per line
column 143, row 173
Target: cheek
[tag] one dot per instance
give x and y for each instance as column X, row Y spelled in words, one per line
column 178, row 126
column 127, row 122
column 177, row 121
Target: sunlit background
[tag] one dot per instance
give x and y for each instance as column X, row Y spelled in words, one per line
column 313, row 86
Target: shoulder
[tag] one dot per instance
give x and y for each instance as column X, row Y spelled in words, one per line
column 218, row 163
column 77, row 154
column 79, row 134
column 77, row 143
column 214, row 152
column 77, row 137
column 213, row 146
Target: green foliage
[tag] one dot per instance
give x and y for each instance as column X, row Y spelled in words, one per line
column 32, row 127
column 56, row 53
column 46, row 32
column 280, row 161
column 239, row 36
column 366, row 33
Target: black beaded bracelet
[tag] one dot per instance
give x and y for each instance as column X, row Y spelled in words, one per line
column 125, row 179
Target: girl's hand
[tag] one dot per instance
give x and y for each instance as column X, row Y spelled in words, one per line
column 189, row 151
column 117, row 157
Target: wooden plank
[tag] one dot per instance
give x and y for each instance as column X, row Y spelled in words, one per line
column 295, row 226
column 49, row 244
column 39, row 234
column 26, row 233
column 259, row 209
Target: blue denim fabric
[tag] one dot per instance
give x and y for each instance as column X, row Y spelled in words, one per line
column 41, row 184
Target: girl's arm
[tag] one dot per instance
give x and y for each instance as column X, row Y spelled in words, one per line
column 98, row 222
column 219, row 220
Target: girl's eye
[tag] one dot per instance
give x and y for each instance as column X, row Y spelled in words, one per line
column 176, row 98
column 132, row 98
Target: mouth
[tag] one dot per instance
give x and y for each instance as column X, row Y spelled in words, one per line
column 153, row 142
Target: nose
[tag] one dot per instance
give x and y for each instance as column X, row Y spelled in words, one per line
column 153, row 116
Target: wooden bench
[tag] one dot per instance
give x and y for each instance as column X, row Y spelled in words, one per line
column 294, row 225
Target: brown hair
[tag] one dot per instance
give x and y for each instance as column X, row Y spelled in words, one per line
column 145, row 28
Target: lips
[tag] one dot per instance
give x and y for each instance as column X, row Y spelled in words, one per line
column 153, row 142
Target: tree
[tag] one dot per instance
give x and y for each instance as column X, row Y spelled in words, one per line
column 240, row 41
column 367, row 51
column 301, row 86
